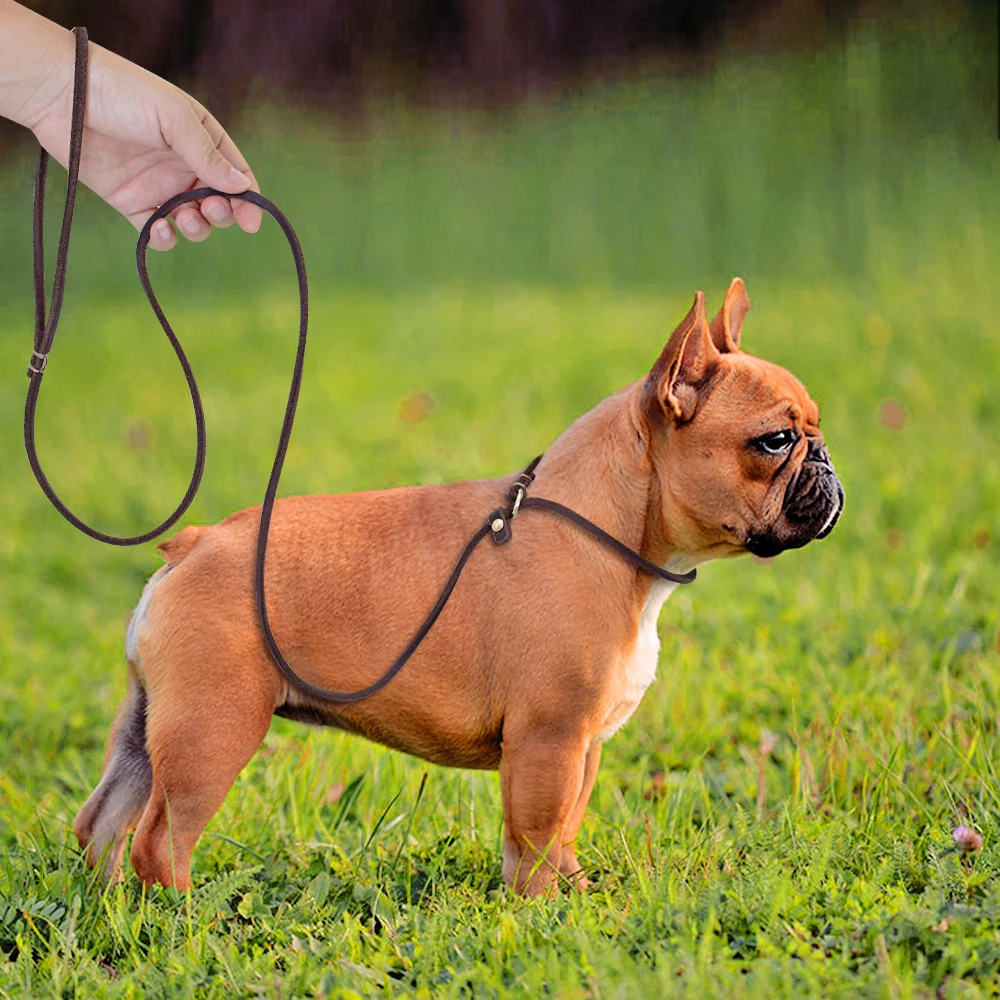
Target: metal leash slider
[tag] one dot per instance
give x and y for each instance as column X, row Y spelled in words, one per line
column 517, row 491
column 499, row 520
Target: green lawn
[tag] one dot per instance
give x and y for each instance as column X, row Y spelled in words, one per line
column 515, row 269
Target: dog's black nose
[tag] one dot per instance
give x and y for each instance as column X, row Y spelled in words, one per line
column 819, row 453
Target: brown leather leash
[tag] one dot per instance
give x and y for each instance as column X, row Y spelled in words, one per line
column 499, row 523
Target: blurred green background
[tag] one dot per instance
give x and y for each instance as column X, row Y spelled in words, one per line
column 479, row 278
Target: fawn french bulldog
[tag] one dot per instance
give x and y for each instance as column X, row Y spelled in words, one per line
column 545, row 648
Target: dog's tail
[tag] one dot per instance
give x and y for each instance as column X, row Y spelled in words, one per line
column 114, row 807
column 176, row 548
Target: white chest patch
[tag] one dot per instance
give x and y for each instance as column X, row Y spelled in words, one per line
column 637, row 669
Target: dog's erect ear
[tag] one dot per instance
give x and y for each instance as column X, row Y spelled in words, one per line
column 727, row 327
column 687, row 361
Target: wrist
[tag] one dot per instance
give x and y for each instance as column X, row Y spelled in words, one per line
column 36, row 65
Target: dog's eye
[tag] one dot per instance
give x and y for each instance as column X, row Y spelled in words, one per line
column 776, row 443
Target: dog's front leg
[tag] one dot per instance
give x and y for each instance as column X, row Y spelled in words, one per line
column 542, row 770
column 568, row 864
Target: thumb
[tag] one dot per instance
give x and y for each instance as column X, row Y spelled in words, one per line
column 196, row 141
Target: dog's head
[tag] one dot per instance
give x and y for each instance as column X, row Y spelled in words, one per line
column 734, row 442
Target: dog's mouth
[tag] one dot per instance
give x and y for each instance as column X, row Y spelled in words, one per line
column 812, row 508
column 764, row 546
column 834, row 515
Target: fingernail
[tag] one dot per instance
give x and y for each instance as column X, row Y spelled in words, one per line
column 190, row 225
column 163, row 230
column 216, row 212
column 237, row 179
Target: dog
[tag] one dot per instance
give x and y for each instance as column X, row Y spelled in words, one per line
column 545, row 649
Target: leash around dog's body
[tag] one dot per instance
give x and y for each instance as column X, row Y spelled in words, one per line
column 499, row 523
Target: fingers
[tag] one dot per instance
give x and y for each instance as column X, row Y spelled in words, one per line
column 218, row 211
column 189, row 222
column 202, row 143
column 194, row 221
column 246, row 215
column 223, row 212
column 207, row 149
column 162, row 236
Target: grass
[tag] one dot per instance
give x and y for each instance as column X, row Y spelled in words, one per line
column 514, row 271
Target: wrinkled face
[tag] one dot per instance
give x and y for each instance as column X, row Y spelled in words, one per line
column 750, row 470
column 735, row 443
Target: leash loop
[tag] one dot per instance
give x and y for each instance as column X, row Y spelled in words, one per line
column 45, row 327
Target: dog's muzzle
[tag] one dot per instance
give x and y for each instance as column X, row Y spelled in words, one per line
column 812, row 506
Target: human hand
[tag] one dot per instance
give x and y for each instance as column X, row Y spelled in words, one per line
column 144, row 141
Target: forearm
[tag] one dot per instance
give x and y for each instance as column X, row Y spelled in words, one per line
column 36, row 63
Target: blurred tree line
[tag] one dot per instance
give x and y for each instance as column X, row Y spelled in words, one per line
column 342, row 52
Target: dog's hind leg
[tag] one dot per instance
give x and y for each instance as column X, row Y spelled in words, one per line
column 114, row 807
column 200, row 738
